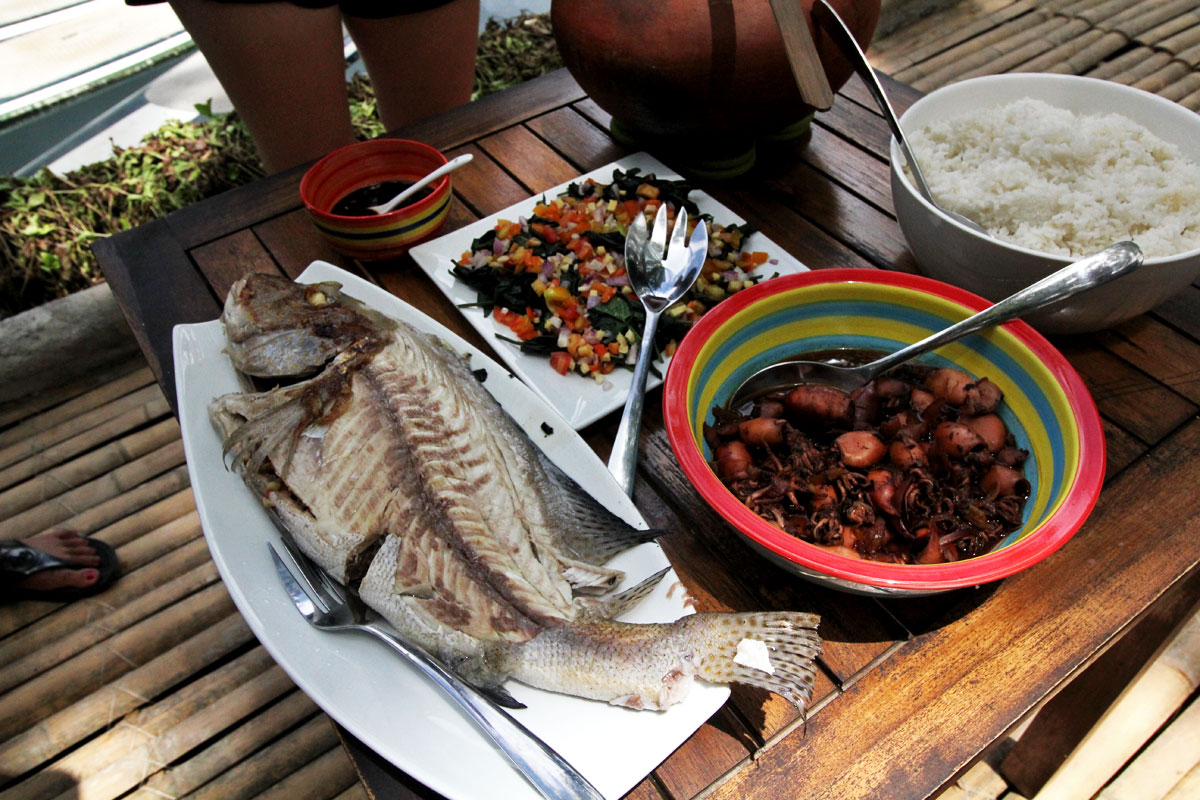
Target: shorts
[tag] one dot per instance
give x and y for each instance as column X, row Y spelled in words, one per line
column 366, row 9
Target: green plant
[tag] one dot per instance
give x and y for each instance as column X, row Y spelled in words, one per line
column 48, row 222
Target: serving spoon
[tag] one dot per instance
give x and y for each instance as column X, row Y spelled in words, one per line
column 829, row 20
column 1087, row 273
column 449, row 166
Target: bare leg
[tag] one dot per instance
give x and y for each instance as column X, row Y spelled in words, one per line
column 420, row 64
column 283, row 68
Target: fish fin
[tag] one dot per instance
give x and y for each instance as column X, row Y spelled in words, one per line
column 773, row 650
column 589, row 579
column 482, row 673
column 500, row 696
column 590, row 532
column 615, row 605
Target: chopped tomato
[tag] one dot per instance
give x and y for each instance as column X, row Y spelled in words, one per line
column 560, row 361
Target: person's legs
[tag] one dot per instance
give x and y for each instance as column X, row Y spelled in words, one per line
column 283, row 68
column 421, row 63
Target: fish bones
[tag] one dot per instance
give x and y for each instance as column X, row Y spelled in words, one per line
column 398, row 473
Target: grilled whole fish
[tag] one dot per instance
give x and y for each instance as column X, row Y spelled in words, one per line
column 396, row 471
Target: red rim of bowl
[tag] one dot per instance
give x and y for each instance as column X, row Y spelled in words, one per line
column 1080, row 496
column 373, row 144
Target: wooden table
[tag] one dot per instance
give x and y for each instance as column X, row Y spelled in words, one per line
column 912, row 692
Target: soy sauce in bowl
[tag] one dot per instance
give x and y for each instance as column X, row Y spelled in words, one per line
column 358, row 203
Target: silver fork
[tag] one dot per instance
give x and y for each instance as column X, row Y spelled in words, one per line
column 332, row 607
column 660, row 276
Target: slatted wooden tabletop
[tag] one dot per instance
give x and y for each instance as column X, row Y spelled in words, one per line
column 911, row 693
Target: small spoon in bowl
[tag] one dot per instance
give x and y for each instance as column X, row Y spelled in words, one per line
column 449, row 166
column 1095, row 270
column 829, row 21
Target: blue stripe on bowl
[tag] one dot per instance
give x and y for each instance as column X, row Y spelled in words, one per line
column 881, row 314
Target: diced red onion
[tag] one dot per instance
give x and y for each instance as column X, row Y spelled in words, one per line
column 618, row 280
column 593, row 300
column 499, row 246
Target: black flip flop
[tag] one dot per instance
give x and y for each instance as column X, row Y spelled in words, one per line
column 18, row 560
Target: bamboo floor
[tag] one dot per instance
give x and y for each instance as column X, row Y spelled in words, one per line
column 154, row 688
column 1150, row 44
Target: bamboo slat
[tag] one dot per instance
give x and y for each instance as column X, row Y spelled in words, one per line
column 1173, row 754
column 46, row 739
column 55, row 621
column 273, row 763
column 1146, row 16
column 51, row 654
column 161, row 540
column 1132, row 720
column 331, row 772
column 54, row 482
column 1188, row 787
column 1156, row 35
column 148, row 518
column 226, row 751
column 355, row 792
column 106, row 662
column 930, row 68
column 56, row 454
column 927, row 37
column 111, row 774
column 41, row 439
column 88, row 402
column 1182, row 87
column 1078, row 55
column 1031, row 46
column 24, row 408
column 1191, row 100
column 1163, row 78
column 110, row 510
column 1099, row 13
column 1122, row 63
column 1147, row 66
column 105, row 488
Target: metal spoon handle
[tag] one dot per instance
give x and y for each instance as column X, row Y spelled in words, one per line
column 1095, row 270
column 622, row 462
column 832, row 23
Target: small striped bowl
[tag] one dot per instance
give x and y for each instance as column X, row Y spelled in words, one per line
column 354, row 166
column 1046, row 407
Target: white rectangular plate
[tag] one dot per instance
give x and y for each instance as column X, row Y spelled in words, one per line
column 580, row 400
column 357, row 680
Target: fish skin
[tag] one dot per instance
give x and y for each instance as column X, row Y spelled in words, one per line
column 480, row 549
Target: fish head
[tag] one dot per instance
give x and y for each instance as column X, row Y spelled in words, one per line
column 278, row 328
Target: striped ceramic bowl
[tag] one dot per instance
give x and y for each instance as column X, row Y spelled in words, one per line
column 1046, row 407
column 355, row 166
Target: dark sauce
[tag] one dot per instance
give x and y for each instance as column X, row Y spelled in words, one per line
column 358, row 203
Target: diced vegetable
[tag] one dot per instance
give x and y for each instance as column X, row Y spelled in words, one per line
column 564, row 268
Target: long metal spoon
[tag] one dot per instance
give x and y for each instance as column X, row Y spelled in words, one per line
column 1095, row 270
column 449, row 166
column 829, row 20
column 660, row 275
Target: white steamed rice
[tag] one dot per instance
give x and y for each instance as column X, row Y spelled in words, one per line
column 1044, row 178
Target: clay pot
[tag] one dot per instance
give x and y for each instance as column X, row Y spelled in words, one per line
column 694, row 68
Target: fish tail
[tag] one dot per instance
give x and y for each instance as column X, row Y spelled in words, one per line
column 652, row 666
column 772, row 650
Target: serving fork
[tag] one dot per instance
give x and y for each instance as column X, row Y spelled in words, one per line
column 329, row 606
column 660, row 274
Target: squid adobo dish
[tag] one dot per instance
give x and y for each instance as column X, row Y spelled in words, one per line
column 916, row 467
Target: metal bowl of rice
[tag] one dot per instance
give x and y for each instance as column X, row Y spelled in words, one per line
column 1057, row 167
